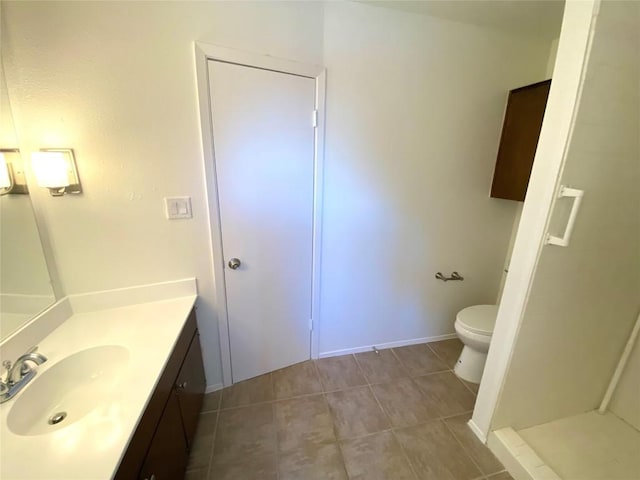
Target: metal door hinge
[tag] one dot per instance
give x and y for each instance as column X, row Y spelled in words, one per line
column 314, row 118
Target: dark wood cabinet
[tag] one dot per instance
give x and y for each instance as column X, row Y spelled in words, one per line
column 519, row 140
column 167, row 455
column 159, row 448
column 189, row 388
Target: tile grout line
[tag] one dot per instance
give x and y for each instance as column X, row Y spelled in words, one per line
column 464, row 449
column 442, row 359
column 428, row 344
column 447, row 417
column 271, row 402
column 475, row 394
column 273, row 398
column 391, row 426
column 394, row 429
column 333, row 425
column 215, row 434
column 277, row 453
column 395, row 437
column 326, row 389
column 315, row 365
column 404, row 453
column 206, row 468
column 406, row 370
column 361, row 370
column 219, row 407
column 446, row 368
column 275, row 423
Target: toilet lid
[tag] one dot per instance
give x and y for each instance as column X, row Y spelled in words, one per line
column 479, row 318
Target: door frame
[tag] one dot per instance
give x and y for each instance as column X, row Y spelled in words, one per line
column 204, row 53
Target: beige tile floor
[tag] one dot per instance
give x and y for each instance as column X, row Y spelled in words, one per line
column 399, row 414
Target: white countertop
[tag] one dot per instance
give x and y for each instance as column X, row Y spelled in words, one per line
column 92, row 446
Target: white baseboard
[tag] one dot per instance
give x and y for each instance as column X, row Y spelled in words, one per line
column 520, row 460
column 213, row 388
column 382, row 346
column 476, row 430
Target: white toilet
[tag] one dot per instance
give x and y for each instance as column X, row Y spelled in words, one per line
column 474, row 326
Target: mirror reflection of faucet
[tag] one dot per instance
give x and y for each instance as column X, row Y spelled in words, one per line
column 19, row 373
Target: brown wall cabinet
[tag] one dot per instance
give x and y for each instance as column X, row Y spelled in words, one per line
column 520, row 133
column 159, row 448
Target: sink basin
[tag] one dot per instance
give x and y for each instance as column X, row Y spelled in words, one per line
column 69, row 390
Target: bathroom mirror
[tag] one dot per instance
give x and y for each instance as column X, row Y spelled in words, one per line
column 25, row 284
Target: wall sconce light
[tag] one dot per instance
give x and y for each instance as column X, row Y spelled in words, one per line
column 55, row 169
column 12, row 178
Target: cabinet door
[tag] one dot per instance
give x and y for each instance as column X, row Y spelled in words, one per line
column 520, row 132
column 190, row 386
column 134, row 457
column 167, row 455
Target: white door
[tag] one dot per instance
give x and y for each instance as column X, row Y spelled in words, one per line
column 263, row 137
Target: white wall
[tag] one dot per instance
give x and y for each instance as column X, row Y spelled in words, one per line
column 116, row 82
column 584, row 298
column 414, row 113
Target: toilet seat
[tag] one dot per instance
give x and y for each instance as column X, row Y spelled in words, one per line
column 478, row 319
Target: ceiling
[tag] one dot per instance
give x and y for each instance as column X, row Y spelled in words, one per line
column 540, row 18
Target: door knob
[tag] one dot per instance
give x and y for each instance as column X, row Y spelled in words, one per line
column 234, row 263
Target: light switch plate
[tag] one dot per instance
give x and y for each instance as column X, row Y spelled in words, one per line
column 177, row 207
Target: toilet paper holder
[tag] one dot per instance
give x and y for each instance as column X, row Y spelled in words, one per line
column 454, row 276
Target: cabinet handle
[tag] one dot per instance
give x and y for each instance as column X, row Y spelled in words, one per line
column 153, row 477
column 182, row 386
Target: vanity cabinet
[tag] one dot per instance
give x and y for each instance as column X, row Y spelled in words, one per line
column 159, row 448
column 167, row 457
column 190, row 386
column 519, row 140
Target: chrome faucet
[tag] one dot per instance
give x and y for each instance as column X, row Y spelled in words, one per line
column 20, row 373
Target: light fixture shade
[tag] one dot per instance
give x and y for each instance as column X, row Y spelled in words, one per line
column 5, row 179
column 51, row 169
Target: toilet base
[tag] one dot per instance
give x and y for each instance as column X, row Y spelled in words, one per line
column 470, row 365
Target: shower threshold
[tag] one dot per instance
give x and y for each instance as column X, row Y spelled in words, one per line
column 587, row 446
